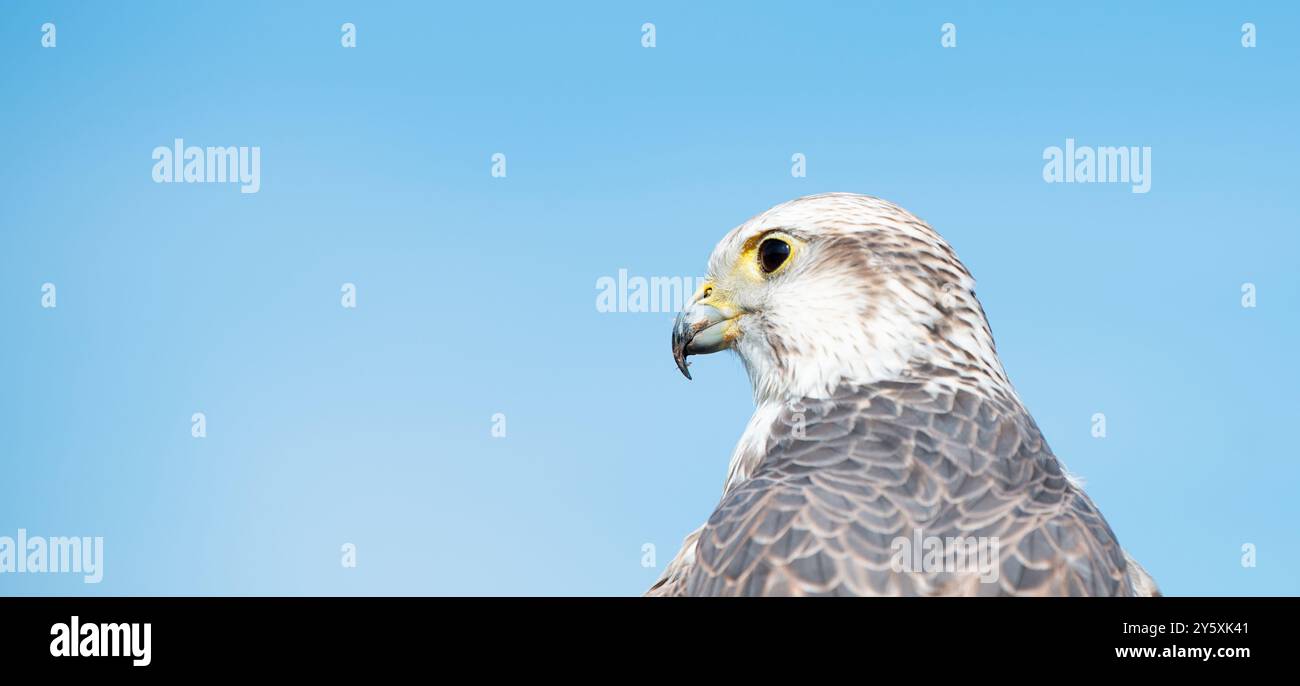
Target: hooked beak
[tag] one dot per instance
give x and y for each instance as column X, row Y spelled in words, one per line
column 707, row 325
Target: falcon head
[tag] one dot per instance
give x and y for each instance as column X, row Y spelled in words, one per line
column 838, row 288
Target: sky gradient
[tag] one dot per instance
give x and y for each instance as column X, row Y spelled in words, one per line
column 477, row 295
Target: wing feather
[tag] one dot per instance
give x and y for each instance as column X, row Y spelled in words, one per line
column 822, row 511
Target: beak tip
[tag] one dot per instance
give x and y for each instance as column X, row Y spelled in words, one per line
column 682, row 335
column 679, row 356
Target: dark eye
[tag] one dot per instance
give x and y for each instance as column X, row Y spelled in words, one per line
column 772, row 253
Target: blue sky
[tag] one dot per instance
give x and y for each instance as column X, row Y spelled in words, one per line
column 475, row 295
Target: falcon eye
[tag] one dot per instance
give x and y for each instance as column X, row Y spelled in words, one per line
column 772, row 253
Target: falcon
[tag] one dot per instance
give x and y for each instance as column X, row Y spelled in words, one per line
column 888, row 453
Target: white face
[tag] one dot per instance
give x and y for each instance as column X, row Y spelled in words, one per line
column 831, row 289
